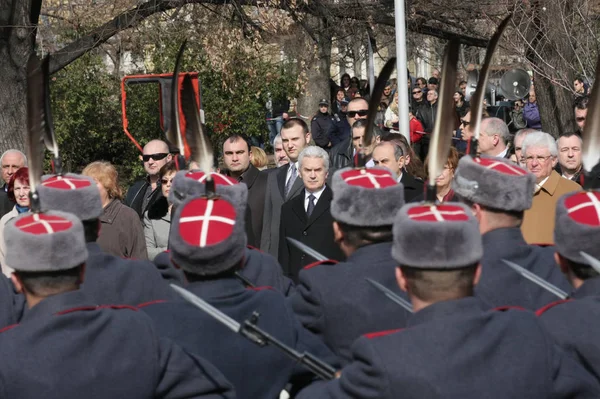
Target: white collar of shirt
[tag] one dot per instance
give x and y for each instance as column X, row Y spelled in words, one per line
column 317, row 195
column 289, row 171
column 539, row 186
column 503, row 153
column 399, row 177
column 370, row 163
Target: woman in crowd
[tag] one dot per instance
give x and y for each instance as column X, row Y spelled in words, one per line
column 461, row 106
column 259, row 158
column 121, row 233
column 157, row 219
column 443, row 182
column 391, row 114
column 18, row 193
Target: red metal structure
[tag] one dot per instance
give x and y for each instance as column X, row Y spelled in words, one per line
column 164, row 90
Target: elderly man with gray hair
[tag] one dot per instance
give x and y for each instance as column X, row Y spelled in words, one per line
column 11, row 161
column 540, row 155
column 307, row 217
column 494, row 138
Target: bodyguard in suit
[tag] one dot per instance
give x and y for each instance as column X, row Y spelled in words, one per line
column 109, row 278
column 237, row 155
column 333, row 299
column 454, row 346
column 499, row 192
column 390, row 155
column 67, row 346
column 307, row 217
column 574, row 323
column 208, row 242
column 284, row 184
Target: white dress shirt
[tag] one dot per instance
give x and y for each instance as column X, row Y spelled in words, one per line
column 317, row 195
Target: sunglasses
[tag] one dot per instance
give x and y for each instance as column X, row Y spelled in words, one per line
column 580, row 119
column 156, row 157
column 362, row 112
column 416, row 92
column 166, row 181
column 464, row 122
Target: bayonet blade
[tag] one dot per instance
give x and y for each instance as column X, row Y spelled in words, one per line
column 537, row 279
column 477, row 102
column 208, row 308
column 390, row 294
column 306, row 249
column 593, row 262
column 590, row 152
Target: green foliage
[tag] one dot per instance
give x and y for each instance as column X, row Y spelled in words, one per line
column 86, row 103
column 86, row 106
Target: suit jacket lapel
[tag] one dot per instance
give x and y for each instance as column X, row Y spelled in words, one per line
column 296, row 187
column 281, row 174
column 321, row 206
column 298, row 207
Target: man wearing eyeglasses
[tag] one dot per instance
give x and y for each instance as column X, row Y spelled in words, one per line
column 342, row 154
column 144, row 192
column 540, row 153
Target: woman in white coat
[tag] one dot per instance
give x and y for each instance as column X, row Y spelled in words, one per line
column 157, row 219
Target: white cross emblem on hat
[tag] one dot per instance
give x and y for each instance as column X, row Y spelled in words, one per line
column 40, row 223
column 584, row 207
column 66, row 183
column 206, row 221
column 369, row 178
column 217, row 177
column 502, row 167
column 439, row 213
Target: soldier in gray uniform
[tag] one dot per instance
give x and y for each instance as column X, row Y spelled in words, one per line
column 453, row 346
column 67, row 346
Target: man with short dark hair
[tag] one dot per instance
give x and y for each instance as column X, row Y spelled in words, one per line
column 390, row 155
column 362, row 205
column 454, row 346
column 283, row 184
column 569, row 155
column 236, row 156
column 321, row 124
column 342, row 154
column 143, row 193
column 580, row 109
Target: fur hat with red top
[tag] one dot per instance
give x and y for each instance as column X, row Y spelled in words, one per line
column 577, row 225
column 494, row 182
column 44, row 242
column 366, row 197
column 76, row 194
column 207, row 234
column 430, row 236
column 187, row 184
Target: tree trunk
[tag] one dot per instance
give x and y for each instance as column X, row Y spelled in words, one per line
column 17, row 37
column 549, row 47
column 317, row 86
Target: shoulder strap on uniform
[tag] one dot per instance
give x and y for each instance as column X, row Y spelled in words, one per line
column 89, row 308
column 8, row 327
column 260, row 288
column 382, row 333
column 321, row 262
column 142, row 305
column 549, row 306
